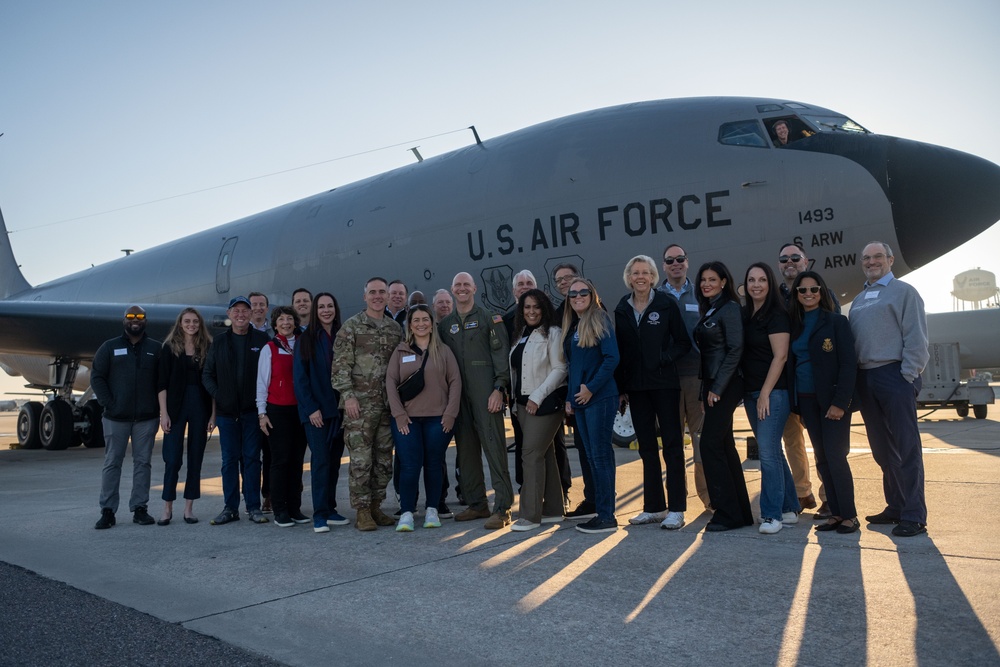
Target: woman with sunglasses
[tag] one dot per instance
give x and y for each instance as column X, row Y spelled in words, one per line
column 822, row 371
column 592, row 353
column 538, row 399
column 317, row 402
column 422, row 425
column 651, row 338
column 719, row 336
column 765, row 350
column 184, row 402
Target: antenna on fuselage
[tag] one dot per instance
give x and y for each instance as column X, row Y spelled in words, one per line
column 476, row 135
column 420, row 158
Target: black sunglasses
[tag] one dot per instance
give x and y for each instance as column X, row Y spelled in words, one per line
column 811, row 289
column 680, row 259
column 573, row 293
column 785, row 259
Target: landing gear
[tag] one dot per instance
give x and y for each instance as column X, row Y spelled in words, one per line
column 92, row 433
column 27, row 425
column 623, row 432
column 55, row 428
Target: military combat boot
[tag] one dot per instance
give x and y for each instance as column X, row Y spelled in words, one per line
column 381, row 518
column 364, row 520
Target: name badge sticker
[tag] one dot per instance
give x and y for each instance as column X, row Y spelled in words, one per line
column 691, row 307
column 871, row 295
column 409, row 358
column 121, row 352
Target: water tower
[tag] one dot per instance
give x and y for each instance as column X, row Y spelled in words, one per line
column 975, row 286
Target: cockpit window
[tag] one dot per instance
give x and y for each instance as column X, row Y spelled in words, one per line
column 835, row 124
column 742, row 133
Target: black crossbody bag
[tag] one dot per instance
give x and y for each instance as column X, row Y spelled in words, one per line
column 411, row 387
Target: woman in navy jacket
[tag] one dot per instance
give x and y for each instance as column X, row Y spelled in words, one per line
column 592, row 395
column 317, row 401
column 651, row 338
column 822, row 369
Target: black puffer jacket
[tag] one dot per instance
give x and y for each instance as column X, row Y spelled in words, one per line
column 649, row 349
column 719, row 335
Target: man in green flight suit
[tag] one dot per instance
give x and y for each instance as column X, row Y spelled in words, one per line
column 479, row 340
column 361, row 354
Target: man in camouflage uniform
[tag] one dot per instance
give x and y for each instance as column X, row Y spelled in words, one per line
column 361, row 354
column 479, row 340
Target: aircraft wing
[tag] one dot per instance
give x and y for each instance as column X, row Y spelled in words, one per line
column 77, row 329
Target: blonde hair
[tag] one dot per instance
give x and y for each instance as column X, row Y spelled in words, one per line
column 635, row 260
column 202, row 339
column 593, row 322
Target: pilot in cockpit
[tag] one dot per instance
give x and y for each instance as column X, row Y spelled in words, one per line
column 780, row 130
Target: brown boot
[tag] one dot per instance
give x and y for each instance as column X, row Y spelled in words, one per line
column 473, row 513
column 364, row 520
column 498, row 520
column 381, row 518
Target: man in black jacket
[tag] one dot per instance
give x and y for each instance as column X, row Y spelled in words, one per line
column 124, row 380
column 230, row 376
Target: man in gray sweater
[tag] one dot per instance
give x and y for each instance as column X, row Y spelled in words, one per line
column 890, row 333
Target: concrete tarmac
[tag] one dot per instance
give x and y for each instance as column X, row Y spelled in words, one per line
column 464, row 595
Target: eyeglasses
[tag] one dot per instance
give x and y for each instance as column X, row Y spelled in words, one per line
column 680, row 259
column 811, row 289
column 565, row 279
column 573, row 293
column 785, row 259
column 878, row 258
column 135, row 316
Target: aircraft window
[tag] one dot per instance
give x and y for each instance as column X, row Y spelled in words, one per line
column 787, row 129
column 767, row 108
column 795, row 105
column 742, row 133
column 835, row 124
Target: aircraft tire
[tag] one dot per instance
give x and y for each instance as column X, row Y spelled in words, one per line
column 27, row 425
column 623, row 432
column 963, row 411
column 93, row 435
column 55, row 428
column 979, row 411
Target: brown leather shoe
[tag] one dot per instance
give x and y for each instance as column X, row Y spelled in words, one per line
column 364, row 520
column 265, row 506
column 381, row 518
column 808, row 502
column 472, row 513
column 498, row 520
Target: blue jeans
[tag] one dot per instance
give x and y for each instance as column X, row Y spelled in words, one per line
column 424, row 446
column 326, row 445
column 595, row 422
column 239, row 440
column 777, row 488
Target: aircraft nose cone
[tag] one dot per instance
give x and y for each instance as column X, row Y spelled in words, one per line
column 940, row 198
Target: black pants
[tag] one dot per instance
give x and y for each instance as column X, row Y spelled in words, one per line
column 648, row 407
column 727, row 488
column 288, row 450
column 831, row 441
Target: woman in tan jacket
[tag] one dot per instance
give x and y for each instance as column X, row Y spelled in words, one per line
column 422, row 425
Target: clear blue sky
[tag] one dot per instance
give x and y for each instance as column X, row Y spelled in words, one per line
column 107, row 104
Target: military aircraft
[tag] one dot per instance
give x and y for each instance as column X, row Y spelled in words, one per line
column 595, row 189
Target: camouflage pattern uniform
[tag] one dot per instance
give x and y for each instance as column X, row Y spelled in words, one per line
column 361, row 354
column 479, row 341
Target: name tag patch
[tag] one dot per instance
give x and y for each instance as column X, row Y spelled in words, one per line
column 121, row 352
column 474, row 324
column 871, row 295
column 409, row 358
column 691, row 307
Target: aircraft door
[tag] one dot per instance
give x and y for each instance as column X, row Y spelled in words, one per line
column 224, row 265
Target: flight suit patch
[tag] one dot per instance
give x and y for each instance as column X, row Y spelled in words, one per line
column 827, row 345
column 497, row 319
column 472, row 325
column 454, row 329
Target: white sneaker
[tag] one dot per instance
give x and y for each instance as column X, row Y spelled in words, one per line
column 405, row 523
column 789, row 518
column 522, row 525
column 673, row 521
column 769, row 526
column 647, row 517
column 431, row 519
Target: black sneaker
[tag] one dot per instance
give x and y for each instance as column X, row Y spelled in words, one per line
column 107, row 519
column 298, row 517
column 909, row 529
column 282, row 520
column 597, row 525
column 444, row 512
column 584, row 510
column 882, row 518
column 141, row 517
column 225, row 516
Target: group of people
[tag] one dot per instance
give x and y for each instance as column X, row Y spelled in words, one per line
column 406, row 376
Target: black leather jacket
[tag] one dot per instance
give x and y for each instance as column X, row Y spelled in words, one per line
column 719, row 336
